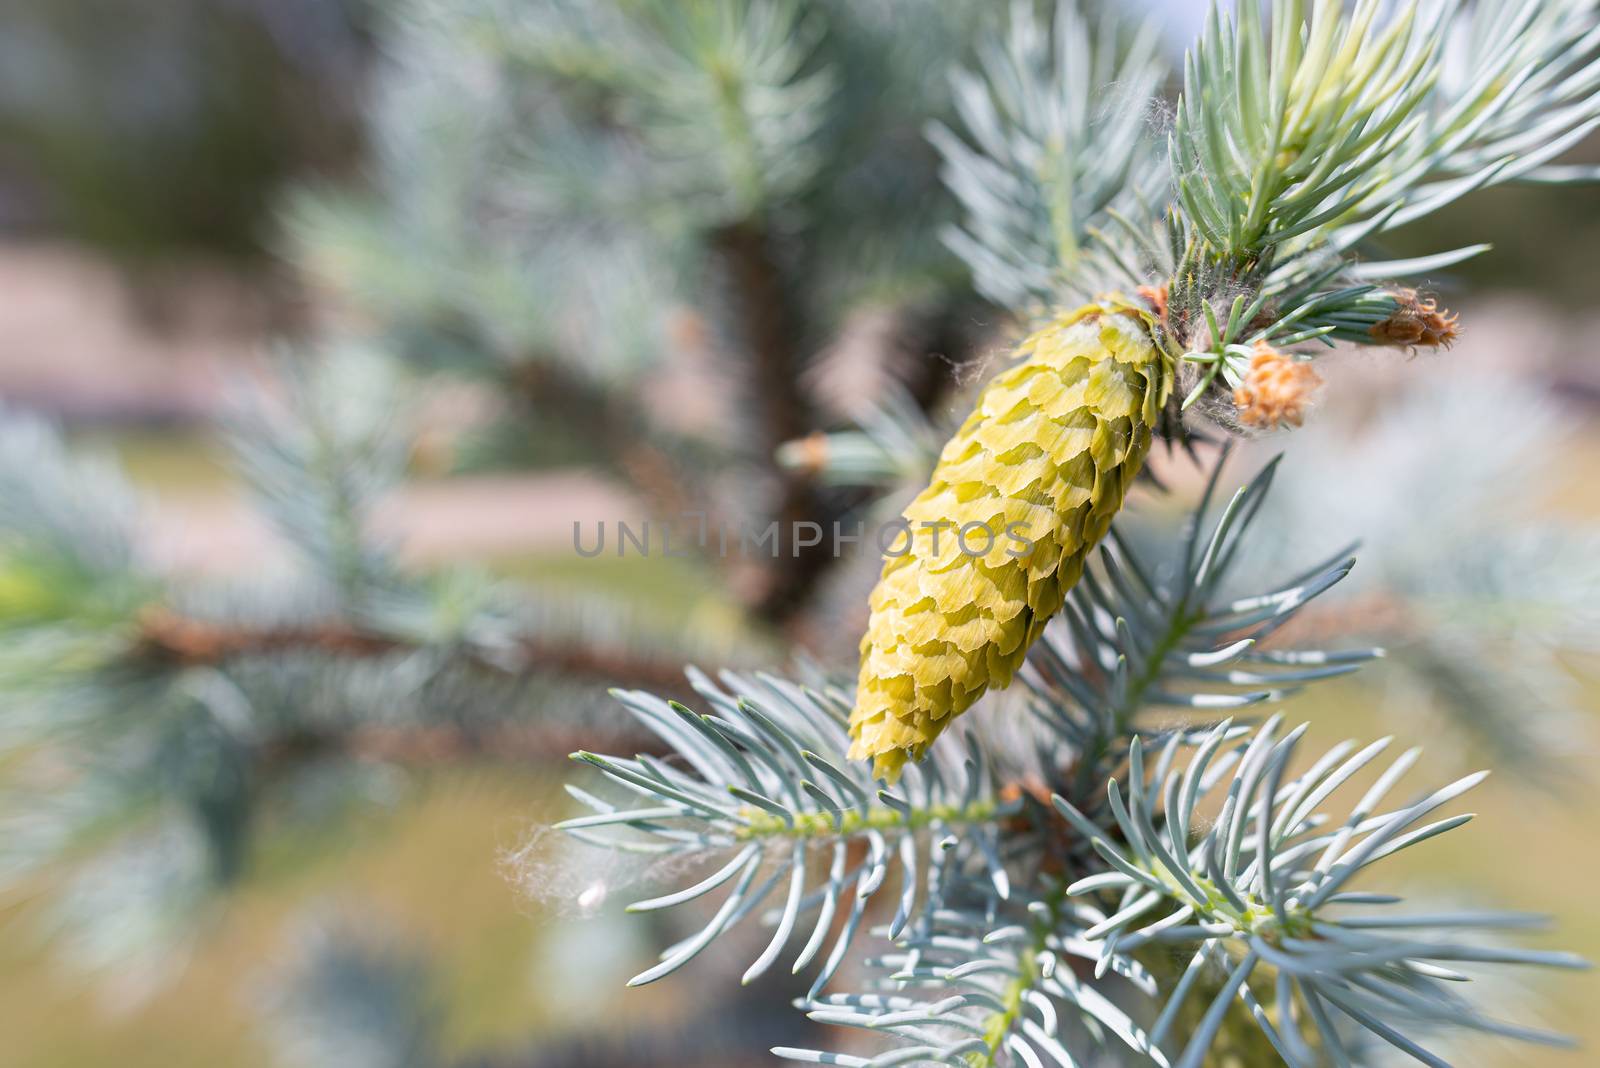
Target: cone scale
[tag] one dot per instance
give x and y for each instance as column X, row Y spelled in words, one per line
column 1021, row 495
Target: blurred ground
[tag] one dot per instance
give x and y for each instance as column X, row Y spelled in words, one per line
column 85, row 338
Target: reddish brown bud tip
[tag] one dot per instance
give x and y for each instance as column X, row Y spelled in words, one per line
column 1417, row 321
column 1276, row 389
column 808, row 455
column 1157, row 296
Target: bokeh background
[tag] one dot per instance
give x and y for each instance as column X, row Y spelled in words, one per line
column 188, row 186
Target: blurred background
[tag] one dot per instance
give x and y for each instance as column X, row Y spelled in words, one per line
column 322, row 323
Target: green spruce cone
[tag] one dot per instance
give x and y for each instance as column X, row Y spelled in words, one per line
column 1021, row 495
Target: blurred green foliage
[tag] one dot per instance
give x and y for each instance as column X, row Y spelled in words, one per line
column 157, row 127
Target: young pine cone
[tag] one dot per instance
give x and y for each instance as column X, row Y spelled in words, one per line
column 1023, row 492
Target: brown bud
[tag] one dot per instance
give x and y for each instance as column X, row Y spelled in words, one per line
column 1030, row 785
column 1276, row 389
column 1157, row 296
column 688, row 330
column 1416, row 321
column 808, row 455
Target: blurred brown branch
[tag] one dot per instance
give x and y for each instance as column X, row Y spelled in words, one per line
column 170, row 638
